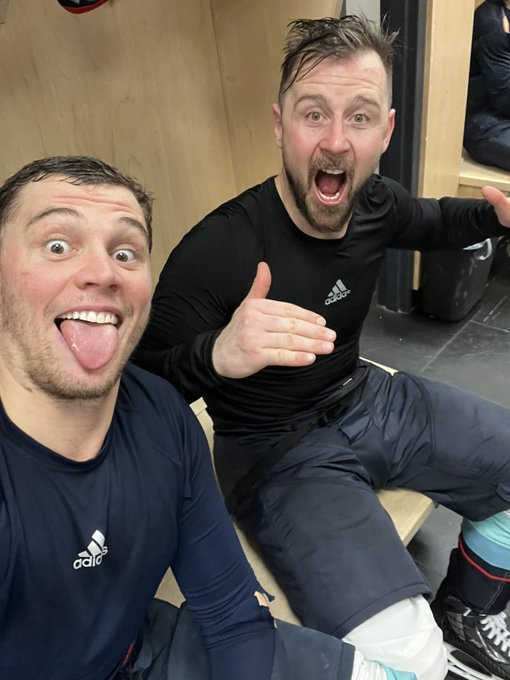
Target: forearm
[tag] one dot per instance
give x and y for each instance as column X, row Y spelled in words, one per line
column 468, row 221
column 246, row 648
column 428, row 224
column 188, row 367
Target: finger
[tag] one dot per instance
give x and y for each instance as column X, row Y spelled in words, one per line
column 495, row 197
column 298, row 343
column 315, row 342
column 284, row 357
column 304, row 328
column 281, row 315
column 261, row 283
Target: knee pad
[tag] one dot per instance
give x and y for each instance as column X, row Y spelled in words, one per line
column 403, row 636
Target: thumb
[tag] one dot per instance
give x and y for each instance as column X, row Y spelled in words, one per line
column 261, row 283
column 495, row 197
column 499, row 202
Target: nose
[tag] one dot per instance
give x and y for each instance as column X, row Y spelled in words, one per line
column 335, row 139
column 97, row 268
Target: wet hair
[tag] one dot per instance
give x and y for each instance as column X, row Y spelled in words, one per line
column 310, row 41
column 75, row 170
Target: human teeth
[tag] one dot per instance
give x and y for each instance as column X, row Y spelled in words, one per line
column 329, row 198
column 334, row 172
column 91, row 317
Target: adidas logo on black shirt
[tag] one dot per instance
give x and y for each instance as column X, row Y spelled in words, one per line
column 338, row 292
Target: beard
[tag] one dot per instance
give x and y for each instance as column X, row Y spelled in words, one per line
column 34, row 362
column 323, row 218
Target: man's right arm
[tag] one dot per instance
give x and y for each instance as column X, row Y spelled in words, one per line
column 265, row 332
column 190, row 306
column 208, row 325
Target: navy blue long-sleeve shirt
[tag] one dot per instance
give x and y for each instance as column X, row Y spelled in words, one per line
column 85, row 545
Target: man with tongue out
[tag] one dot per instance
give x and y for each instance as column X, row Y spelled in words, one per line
column 259, row 309
column 105, row 473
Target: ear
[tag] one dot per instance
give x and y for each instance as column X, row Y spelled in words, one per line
column 277, row 125
column 389, row 130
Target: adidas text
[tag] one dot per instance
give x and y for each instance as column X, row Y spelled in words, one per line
column 93, row 555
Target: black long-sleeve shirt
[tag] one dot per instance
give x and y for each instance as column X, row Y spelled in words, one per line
column 210, row 272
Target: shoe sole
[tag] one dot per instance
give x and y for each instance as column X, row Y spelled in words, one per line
column 462, row 665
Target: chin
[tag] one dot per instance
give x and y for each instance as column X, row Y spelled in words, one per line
column 68, row 387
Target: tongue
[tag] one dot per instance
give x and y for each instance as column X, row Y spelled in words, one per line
column 328, row 184
column 93, row 344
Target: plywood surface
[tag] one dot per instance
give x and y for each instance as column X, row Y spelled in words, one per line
column 134, row 82
column 473, row 176
column 449, row 28
column 250, row 39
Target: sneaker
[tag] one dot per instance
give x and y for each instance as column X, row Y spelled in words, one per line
column 477, row 645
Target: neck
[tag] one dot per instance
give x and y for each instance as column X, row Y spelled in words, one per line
column 74, row 429
column 285, row 193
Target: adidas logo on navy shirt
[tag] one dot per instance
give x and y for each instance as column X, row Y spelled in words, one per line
column 92, row 556
column 338, row 292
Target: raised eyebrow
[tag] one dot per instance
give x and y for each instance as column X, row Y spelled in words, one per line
column 313, row 98
column 67, row 212
column 132, row 222
column 361, row 100
column 71, row 212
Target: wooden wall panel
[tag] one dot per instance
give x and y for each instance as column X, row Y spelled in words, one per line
column 250, row 39
column 446, row 79
column 134, row 82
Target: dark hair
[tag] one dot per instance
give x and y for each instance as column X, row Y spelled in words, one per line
column 76, row 170
column 310, row 41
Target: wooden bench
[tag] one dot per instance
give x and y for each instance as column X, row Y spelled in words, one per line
column 473, row 176
column 408, row 510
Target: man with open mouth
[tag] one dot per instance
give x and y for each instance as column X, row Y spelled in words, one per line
column 105, row 473
column 259, row 310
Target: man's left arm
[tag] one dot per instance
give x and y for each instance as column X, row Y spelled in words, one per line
column 214, row 575
column 428, row 224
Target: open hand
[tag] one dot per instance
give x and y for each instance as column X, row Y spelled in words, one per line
column 266, row 332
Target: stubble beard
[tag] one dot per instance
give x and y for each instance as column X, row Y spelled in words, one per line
column 322, row 218
column 35, row 364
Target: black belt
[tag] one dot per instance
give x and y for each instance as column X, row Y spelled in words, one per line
column 345, row 396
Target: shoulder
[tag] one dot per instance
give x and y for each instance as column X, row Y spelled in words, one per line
column 238, row 216
column 242, row 207
column 383, row 191
column 141, row 384
column 229, row 239
column 154, row 403
column 259, row 195
column 153, row 398
column 487, row 19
